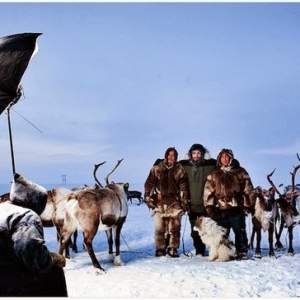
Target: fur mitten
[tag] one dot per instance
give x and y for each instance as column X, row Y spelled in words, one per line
column 58, row 260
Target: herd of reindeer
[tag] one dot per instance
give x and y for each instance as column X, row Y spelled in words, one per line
column 105, row 208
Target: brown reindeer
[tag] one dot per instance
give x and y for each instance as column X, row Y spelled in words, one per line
column 98, row 208
column 288, row 212
column 264, row 215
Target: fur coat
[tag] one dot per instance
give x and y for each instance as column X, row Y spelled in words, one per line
column 227, row 188
column 26, row 265
column 168, row 186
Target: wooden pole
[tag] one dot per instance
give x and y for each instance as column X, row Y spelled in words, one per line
column 11, row 142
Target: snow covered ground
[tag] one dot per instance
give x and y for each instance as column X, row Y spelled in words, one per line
column 189, row 276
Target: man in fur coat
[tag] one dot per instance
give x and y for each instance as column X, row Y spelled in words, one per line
column 197, row 165
column 228, row 197
column 166, row 194
column 27, row 268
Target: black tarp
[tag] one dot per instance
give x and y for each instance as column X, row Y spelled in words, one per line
column 15, row 53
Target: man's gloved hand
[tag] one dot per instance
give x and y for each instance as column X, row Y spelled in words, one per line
column 210, row 211
column 150, row 202
column 247, row 210
column 58, row 260
column 184, row 206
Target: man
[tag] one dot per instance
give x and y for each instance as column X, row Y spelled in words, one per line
column 166, row 194
column 198, row 166
column 27, row 268
column 228, row 196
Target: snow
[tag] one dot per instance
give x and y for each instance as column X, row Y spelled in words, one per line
column 189, row 276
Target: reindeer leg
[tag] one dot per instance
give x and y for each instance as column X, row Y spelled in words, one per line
column 271, row 249
column 290, row 232
column 117, row 229
column 64, row 241
column 74, row 245
column 109, row 236
column 252, row 238
column 258, row 241
column 68, row 243
column 278, row 244
column 89, row 247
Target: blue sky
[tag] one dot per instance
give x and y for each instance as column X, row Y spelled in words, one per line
column 128, row 80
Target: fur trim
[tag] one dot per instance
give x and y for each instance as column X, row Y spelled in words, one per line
column 28, row 194
column 228, row 152
column 171, row 213
column 207, row 155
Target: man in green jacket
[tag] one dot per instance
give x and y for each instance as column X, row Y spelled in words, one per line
column 198, row 166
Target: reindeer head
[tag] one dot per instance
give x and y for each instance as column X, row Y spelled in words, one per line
column 288, row 200
column 264, row 199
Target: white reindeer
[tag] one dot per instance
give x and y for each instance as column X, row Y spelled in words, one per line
column 54, row 214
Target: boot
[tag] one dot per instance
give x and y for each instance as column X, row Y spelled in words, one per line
column 173, row 252
column 159, row 252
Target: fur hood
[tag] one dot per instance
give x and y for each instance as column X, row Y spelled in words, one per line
column 205, row 153
column 228, row 152
column 28, row 194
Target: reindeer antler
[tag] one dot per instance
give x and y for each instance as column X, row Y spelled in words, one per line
column 106, row 178
column 294, row 175
column 95, row 170
column 271, row 182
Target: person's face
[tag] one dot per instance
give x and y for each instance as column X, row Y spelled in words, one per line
column 171, row 158
column 196, row 155
column 225, row 159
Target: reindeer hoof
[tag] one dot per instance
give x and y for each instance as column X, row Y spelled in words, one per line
column 278, row 246
column 257, row 255
column 100, row 271
column 272, row 254
column 118, row 261
column 74, row 248
column 110, row 258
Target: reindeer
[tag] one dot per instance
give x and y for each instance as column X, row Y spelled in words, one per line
column 289, row 215
column 98, row 208
column 54, row 214
column 135, row 194
column 264, row 215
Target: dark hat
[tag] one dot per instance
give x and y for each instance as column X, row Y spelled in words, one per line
column 169, row 150
column 28, row 194
column 198, row 147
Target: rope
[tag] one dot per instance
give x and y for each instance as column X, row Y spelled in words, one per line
column 189, row 254
column 133, row 252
